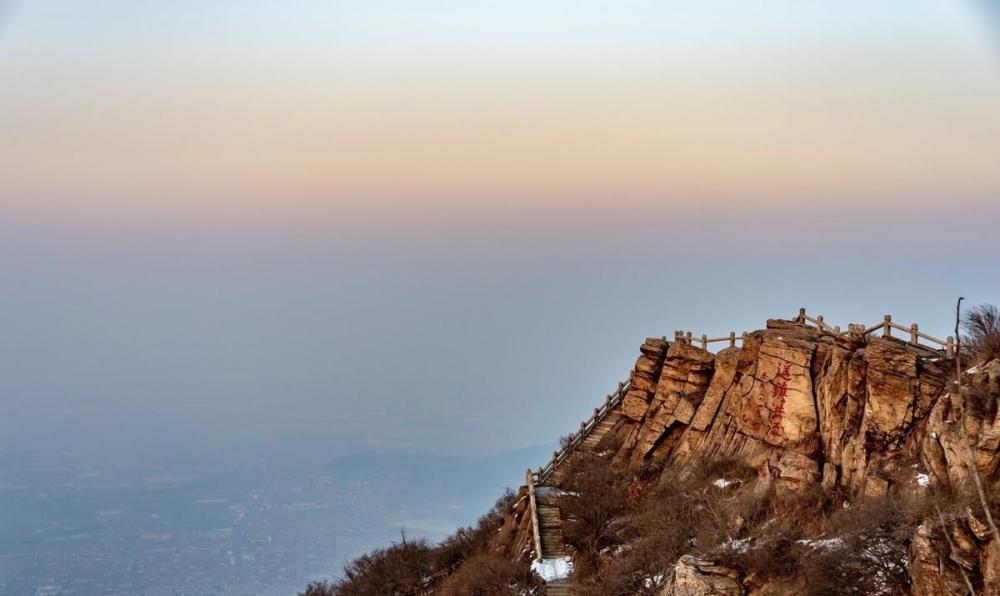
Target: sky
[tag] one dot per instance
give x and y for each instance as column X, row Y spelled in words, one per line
column 236, row 228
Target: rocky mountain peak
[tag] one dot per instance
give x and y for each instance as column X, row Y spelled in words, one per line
column 807, row 408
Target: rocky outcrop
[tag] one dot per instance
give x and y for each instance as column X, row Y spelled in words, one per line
column 865, row 416
column 643, row 378
column 800, row 404
column 692, row 576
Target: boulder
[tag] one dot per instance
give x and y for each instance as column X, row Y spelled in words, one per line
column 654, row 347
column 686, row 375
column 635, row 404
column 692, row 576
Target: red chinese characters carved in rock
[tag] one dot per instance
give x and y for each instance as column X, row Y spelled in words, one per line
column 779, row 391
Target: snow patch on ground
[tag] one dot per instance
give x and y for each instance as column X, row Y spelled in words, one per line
column 553, row 569
column 740, row 545
column 551, row 491
column 723, row 483
column 923, row 480
column 654, row 581
column 829, row 543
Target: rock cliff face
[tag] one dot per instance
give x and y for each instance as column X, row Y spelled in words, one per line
column 798, row 404
column 804, row 407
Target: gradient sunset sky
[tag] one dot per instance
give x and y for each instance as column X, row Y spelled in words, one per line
column 398, row 224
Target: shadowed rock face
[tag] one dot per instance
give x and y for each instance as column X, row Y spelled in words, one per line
column 804, row 407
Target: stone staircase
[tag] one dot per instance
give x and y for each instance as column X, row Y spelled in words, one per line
column 588, row 444
column 549, row 541
column 588, row 438
column 603, row 427
column 549, row 545
column 550, row 523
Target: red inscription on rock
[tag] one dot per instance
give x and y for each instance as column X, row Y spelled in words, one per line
column 779, row 391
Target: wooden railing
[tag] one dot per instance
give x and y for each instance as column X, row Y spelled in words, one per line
column 586, row 427
column 886, row 325
column 704, row 340
column 536, row 537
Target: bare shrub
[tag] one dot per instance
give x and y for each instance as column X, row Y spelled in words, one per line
column 596, row 495
column 566, row 440
column 413, row 567
column 318, row 589
column 982, row 328
column 490, row 574
column 686, row 511
column 401, row 569
column 466, row 542
column 866, row 552
column 653, row 538
column 728, row 468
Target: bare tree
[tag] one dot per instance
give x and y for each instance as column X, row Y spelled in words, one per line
column 988, row 318
column 596, row 495
column 982, row 330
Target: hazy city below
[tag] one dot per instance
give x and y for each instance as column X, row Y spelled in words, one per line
column 75, row 525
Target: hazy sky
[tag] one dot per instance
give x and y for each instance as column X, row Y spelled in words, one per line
column 447, row 225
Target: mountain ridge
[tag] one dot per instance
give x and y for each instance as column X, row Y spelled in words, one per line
column 733, row 449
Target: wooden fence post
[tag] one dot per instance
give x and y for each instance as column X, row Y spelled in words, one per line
column 819, row 322
column 704, row 341
column 536, row 533
column 732, row 339
column 802, row 316
column 949, row 347
column 887, row 326
column 914, row 334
